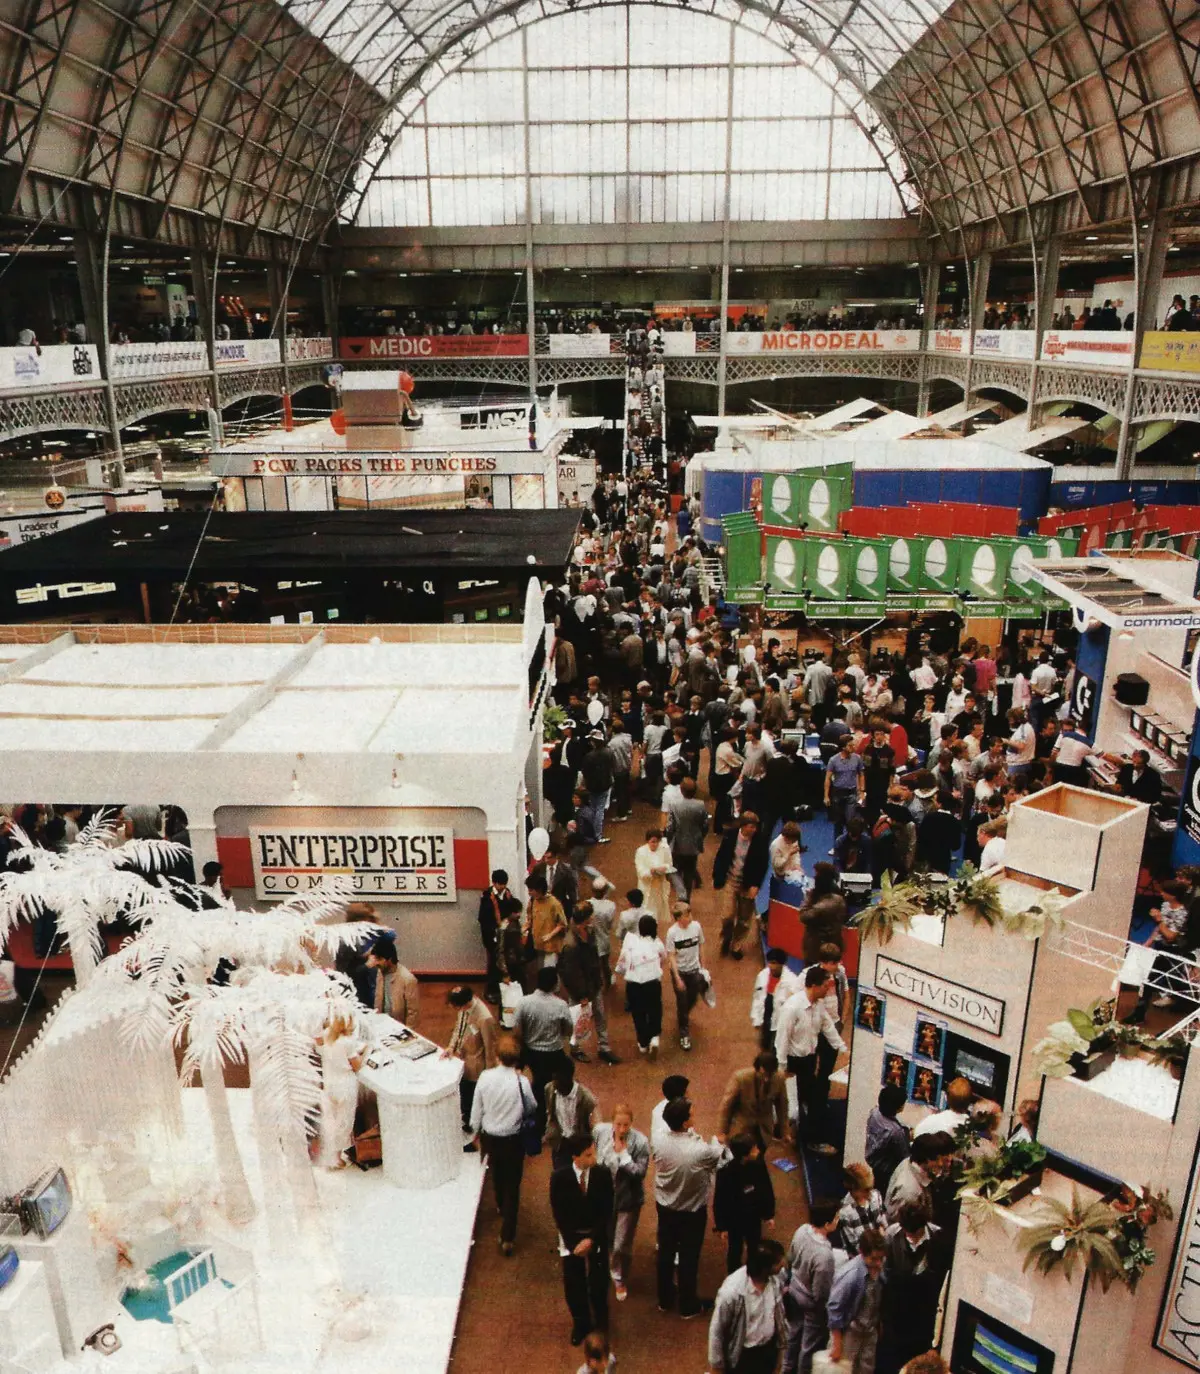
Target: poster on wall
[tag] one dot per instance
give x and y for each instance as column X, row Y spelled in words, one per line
column 387, row 864
column 870, row 1011
column 896, row 1067
column 929, row 1040
column 925, row 1085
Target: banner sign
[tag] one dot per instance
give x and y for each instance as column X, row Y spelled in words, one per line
column 24, row 529
column 1006, row 343
column 952, row 341
column 939, row 994
column 390, row 865
column 785, row 564
column 412, row 464
column 494, row 417
column 983, row 568
column 247, row 352
column 905, row 559
column 133, row 360
column 1179, row 1325
column 827, row 568
column 309, row 350
column 809, row 500
column 939, row 566
column 868, row 568
column 578, row 345
column 396, row 346
column 1171, row 352
column 51, row 365
column 823, row 341
column 1099, row 347
column 679, row 343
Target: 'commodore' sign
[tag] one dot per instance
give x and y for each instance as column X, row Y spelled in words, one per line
column 939, row 994
column 391, row 865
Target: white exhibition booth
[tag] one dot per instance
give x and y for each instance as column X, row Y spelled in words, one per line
column 401, row 753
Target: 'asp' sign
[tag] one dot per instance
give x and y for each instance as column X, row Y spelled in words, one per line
column 391, row 865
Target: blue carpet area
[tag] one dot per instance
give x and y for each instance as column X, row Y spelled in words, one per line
column 823, row 1174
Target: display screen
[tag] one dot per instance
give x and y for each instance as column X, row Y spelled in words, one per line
column 46, row 1204
column 984, row 1345
column 977, row 1071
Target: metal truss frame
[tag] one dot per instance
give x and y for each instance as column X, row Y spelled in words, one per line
column 1172, row 975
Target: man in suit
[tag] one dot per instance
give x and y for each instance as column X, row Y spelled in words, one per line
column 755, row 1102
column 396, row 991
column 473, row 1040
column 581, row 1199
column 562, row 882
column 495, row 904
column 1138, row 780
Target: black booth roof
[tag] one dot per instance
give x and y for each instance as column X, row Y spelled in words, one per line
column 290, row 543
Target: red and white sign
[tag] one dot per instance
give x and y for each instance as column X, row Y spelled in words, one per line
column 952, row 341
column 1096, row 347
column 824, row 341
column 390, row 346
column 309, row 350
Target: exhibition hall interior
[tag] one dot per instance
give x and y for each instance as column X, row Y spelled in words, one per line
column 507, row 864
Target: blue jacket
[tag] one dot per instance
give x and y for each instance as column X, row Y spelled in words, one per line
column 849, row 1286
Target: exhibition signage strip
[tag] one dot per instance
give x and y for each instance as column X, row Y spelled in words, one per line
column 247, row 352
column 928, row 990
column 824, row 341
column 1096, row 347
column 388, row 864
column 309, row 350
column 1006, row 343
column 413, row 464
column 51, row 365
column 1179, row 1325
column 130, row 361
column 1173, row 352
column 382, row 348
column 808, row 500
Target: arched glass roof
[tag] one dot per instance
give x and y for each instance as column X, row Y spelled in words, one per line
column 633, row 116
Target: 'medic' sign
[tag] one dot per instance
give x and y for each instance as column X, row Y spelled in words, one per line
column 390, row 865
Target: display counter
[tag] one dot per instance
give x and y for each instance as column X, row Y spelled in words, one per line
column 416, row 1087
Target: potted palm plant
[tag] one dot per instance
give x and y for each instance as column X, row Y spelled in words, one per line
column 894, row 910
column 1073, row 1237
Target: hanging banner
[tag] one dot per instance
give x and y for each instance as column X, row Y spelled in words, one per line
column 51, row 365
column 578, row 345
column 906, row 557
column 387, row 346
column 1006, row 343
column 868, row 568
column 1099, row 347
column 827, row 568
column 247, row 352
column 133, row 360
column 812, row 500
column 823, row 341
column 785, row 564
column 952, row 341
column 983, row 568
column 939, row 566
column 309, row 350
column 391, row 865
column 1171, row 352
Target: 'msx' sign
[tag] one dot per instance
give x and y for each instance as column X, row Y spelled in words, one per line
column 392, row 865
column 939, row 994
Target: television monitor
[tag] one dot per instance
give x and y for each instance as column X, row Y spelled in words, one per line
column 986, row 1345
column 44, row 1205
column 985, row 1068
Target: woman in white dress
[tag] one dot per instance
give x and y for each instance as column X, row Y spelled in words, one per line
column 654, row 867
column 341, row 1058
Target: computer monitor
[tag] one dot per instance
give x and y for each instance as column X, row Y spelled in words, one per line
column 985, row 1068
column 44, row 1205
column 986, row 1345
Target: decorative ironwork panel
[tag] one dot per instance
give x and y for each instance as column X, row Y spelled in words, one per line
column 1166, row 398
column 137, row 400
column 1103, row 387
column 238, row 384
column 563, row 370
column 901, row 367
column 81, row 408
column 703, row 370
column 940, row 367
column 300, row 375
column 1009, row 376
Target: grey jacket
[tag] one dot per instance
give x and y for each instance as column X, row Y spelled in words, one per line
column 629, row 1176
column 727, row 1333
column 687, row 825
column 810, row 1259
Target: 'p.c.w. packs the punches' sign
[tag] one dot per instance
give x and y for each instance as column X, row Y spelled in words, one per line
column 390, row 865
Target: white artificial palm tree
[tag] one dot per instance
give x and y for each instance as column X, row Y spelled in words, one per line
column 264, row 1017
column 90, row 884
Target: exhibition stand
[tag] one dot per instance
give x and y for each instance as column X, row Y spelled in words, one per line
column 400, row 754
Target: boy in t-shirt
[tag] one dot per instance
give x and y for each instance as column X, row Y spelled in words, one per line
column 683, row 941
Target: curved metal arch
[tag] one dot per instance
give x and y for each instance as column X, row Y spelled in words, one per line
column 421, row 92
column 512, row 7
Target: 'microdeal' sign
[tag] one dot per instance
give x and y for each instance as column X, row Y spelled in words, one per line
column 939, row 994
column 1179, row 1326
column 391, row 865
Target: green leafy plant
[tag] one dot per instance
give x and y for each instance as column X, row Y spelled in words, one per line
column 895, row 908
column 978, row 896
column 993, row 1175
column 1034, row 921
column 552, row 718
column 1170, row 1051
column 1136, row 1214
column 1079, row 1236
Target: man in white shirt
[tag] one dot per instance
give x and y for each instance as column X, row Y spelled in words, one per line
column 996, row 834
column 1020, row 746
column 673, row 1086
column 748, row 1322
column 802, row 1023
column 959, row 1096
column 683, row 941
column 1070, row 756
column 773, row 988
column 1042, row 683
column 502, row 1100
